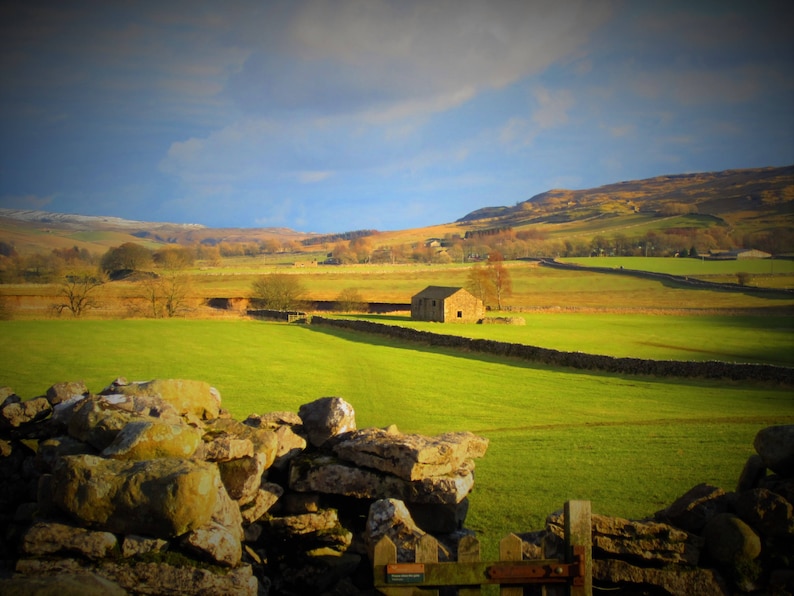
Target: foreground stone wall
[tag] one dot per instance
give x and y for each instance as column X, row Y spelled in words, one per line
column 152, row 488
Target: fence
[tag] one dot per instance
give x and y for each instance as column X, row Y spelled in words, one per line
column 571, row 575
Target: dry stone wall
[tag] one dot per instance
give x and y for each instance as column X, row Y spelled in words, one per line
column 152, row 488
column 630, row 366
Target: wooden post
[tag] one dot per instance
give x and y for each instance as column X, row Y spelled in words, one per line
column 469, row 552
column 578, row 532
column 427, row 552
column 511, row 549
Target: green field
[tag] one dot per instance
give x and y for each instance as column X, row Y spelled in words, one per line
column 767, row 339
column 629, row 444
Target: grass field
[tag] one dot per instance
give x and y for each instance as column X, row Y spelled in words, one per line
column 765, row 339
column 629, row 444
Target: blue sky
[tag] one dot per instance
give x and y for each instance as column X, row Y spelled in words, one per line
column 336, row 115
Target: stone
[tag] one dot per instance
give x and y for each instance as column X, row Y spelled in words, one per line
column 264, row 441
column 77, row 584
column 150, row 439
column 97, row 420
column 644, row 542
column 48, row 538
column 162, row 497
column 775, row 445
column 17, row 414
column 62, row 411
column 695, row 508
column 411, row 457
column 729, row 540
column 390, row 517
column 766, row 512
column 186, row 397
column 226, row 448
column 308, row 531
column 752, row 473
column 61, row 392
column 325, row 418
column 215, row 542
column 155, row 578
column 326, row 474
column 325, row 574
column 6, row 393
column 51, row 450
column 290, row 445
column 242, row 477
column 439, row 519
column 672, row 581
column 134, row 545
column 267, row 496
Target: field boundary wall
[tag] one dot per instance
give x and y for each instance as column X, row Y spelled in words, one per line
column 577, row 360
column 666, row 277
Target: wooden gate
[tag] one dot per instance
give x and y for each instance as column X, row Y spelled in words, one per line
column 571, row 575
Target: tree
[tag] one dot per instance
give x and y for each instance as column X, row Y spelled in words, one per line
column 350, row 300
column 277, row 291
column 78, row 290
column 173, row 258
column 127, row 257
column 500, row 278
column 479, row 283
column 166, row 295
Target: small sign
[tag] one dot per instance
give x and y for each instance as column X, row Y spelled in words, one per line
column 405, row 573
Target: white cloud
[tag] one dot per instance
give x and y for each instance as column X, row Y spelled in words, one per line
column 552, row 107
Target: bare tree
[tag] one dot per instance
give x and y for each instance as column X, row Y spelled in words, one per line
column 79, row 292
column 277, row 291
column 166, row 295
column 500, row 277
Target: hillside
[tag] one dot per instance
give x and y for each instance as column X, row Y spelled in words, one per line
column 747, row 203
column 753, row 200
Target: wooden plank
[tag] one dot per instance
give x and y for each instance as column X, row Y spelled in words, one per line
column 427, row 552
column 511, row 549
column 469, row 552
column 578, row 532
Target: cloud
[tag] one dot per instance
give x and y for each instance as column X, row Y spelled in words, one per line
column 552, row 107
column 31, row 201
column 312, row 177
column 396, row 59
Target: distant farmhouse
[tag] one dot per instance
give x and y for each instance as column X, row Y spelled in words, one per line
column 739, row 254
column 446, row 305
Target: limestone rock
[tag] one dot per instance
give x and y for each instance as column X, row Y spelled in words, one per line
column 308, row 531
column 327, row 417
column 290, row 445
column 161, row 497
column 265, row 498
column 155, row 578
column 411, row 457
column 227, row 448
column 77, row 584
column 729, row 540
column 186, row 397
column 390, row 517
column 97, row 420
column 242, row 477
column 695, row 508
column 134, row 545
column 61, row 392
column 766, row 512
column 325, row 474
column 672, row 581
column 752, row 473
column 47, row 538
column 264, row 441
column 216, row 542
column 16, row 413
column 439, row 519
column 775, row 445
column 150, row 439
column 51, row 450
column 657, row 543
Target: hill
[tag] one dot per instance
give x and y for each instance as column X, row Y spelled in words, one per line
column 746, row 204
column 746, row 198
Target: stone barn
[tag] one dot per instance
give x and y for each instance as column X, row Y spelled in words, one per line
column 446, row 305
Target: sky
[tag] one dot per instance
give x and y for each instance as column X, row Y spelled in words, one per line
column 339, row 115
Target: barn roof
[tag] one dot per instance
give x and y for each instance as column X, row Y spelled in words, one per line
column 437, row 292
